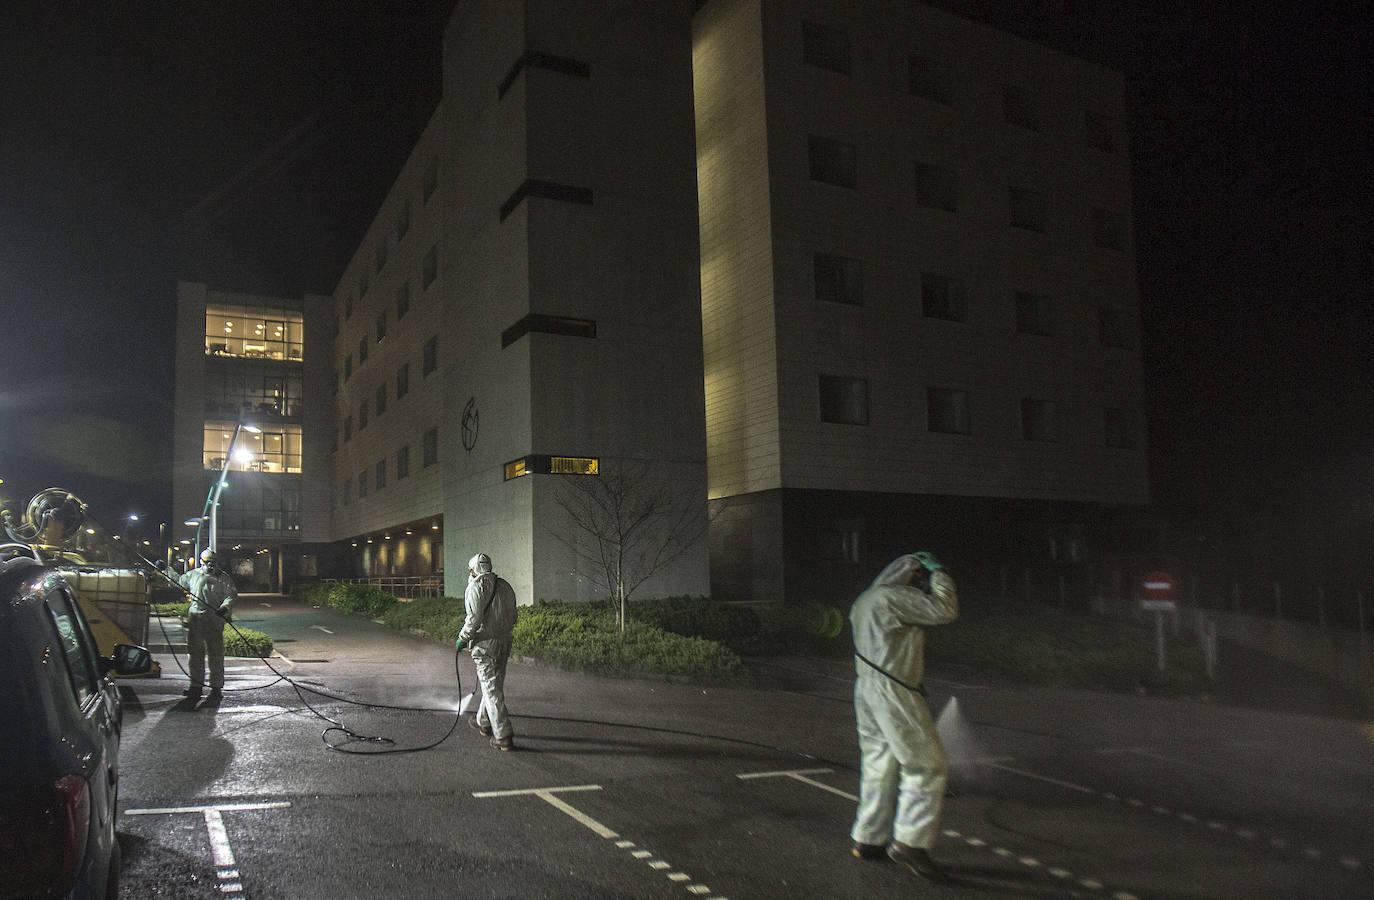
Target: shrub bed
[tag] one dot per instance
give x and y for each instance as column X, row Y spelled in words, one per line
column 1045, row 645
column 366, row 599
column 245, row 642
column 170, row 609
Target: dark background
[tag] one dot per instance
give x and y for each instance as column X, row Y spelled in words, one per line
column 248, row 145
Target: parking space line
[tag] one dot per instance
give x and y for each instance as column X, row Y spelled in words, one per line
column 1029, row 862
column 226, row 870
column 321, row 628
column 220, row 807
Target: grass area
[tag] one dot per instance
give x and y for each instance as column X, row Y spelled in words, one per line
column 171, row 609
column 1041, row 644
column 246, row 642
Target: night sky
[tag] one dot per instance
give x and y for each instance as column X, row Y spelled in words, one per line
column 248, row 145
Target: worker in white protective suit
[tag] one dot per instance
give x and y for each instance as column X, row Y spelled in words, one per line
column 212, row 595
column 902, row 786
column 489, row 603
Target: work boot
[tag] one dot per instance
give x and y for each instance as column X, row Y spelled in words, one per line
column 860, row 850
column 917, row 860
column 192, row 692
column 216, row 695
column 503, row 744
column 483, row 730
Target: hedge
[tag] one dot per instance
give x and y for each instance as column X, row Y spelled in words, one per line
column 371, row 601
column 245, row 642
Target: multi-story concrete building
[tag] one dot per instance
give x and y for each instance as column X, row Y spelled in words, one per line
column 253, row 359
column 918, row 292
column 844, row 278
column 523, row 315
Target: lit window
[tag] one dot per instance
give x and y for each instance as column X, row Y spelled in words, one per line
column 947, row 410
column 1038, row 420
column 832, row 161
column 516, row 469
column 825, row 47
column 838, row 279
column 844, row 401
column 254, row 332
column 277, row 449
column 542, row 464
column 942, row 297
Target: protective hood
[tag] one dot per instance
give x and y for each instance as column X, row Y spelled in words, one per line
column 481, row 564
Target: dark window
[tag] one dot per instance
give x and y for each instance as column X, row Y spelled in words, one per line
column 431, row 180
column 832, row 162
column 362, row 484
column 348, row 367
column 930, row 79
column 334, row 328
column 380, row 474
column 535, row 323
column 1101, row 132
column 431, row 356
column 825, row 47
column 947, row 410
column 536, row 60
column 364, row 282
column 402, row 381
column 431, row 448
column 1019, row 107
column 1038, row 420
column 347, row 491
column 1032, row 313
column 1026, row 208
column 942, row 297
column 362, row 415
column 348, row 307
column 403, row 462
column 839, row 279
column 402, row 220
column 547, row 190
column 348, row 429
column 380, row 400
column 1115, row 327
column 381, row 254
column 362, row 350
column 1107, row 230
column 402, row 301
column 429, row 268
column 1118, row 427
column 844, row 401
column 937, row 187
column 381, row 325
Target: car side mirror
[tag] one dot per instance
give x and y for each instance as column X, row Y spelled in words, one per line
column 127, row 659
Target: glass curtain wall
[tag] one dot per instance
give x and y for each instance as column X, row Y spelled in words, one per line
column 254, row 332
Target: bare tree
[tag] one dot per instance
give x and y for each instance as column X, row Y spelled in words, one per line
column 628, row 524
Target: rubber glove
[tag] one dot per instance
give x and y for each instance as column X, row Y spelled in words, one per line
column 928, row 561
column 460, row 644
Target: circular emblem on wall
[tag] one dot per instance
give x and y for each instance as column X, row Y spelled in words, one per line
column 470, row 422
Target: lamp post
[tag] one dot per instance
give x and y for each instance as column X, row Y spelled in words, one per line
column 212, row 500
column 129, row 520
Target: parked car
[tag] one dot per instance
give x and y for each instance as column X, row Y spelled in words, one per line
column 60, row 717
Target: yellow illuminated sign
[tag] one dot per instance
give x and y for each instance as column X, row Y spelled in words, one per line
column 574, row 465
column 516, row 468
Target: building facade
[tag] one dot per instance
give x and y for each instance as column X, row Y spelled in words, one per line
column 918, row 291
column 812, row 283
column 255, row 360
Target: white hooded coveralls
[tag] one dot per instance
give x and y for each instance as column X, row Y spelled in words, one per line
column 489, row 604
column 212, row 599
column 902, row 785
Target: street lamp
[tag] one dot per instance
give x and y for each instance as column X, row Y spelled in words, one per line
column 235, row 454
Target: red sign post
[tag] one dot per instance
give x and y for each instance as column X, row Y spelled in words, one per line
column 1159, row 590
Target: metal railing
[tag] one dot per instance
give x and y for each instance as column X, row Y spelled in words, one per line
column 409, row 587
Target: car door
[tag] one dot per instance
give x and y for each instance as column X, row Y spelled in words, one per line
column 94, row 734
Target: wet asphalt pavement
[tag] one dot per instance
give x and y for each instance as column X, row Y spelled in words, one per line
column 641, row 789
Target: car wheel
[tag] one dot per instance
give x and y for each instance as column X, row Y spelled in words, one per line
column 116, row 865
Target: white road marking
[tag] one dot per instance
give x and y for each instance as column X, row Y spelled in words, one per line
column 1122, row 895
column 1090, row 884
column 658, row 865
column 1022, row 772
column 1187, row 817
column 268, row 605
column 1350, row 862
column 950, row 832
column 1161, row 810
column 1312, row 853
column 679, row 876
column 482, row 795
column 1216, row 826
column 219, row 807
column 1136, row 803
column 1061, row 873
column 801, row 775
column 1278, row 843
column 578, row 815
column 321, row 628
column 1029, row 861
column 1002, row 852
column 226, row 868
column 1245, row 833
column 698, row 889
column 624, row 845
column 641, row 854
column 975, row 842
